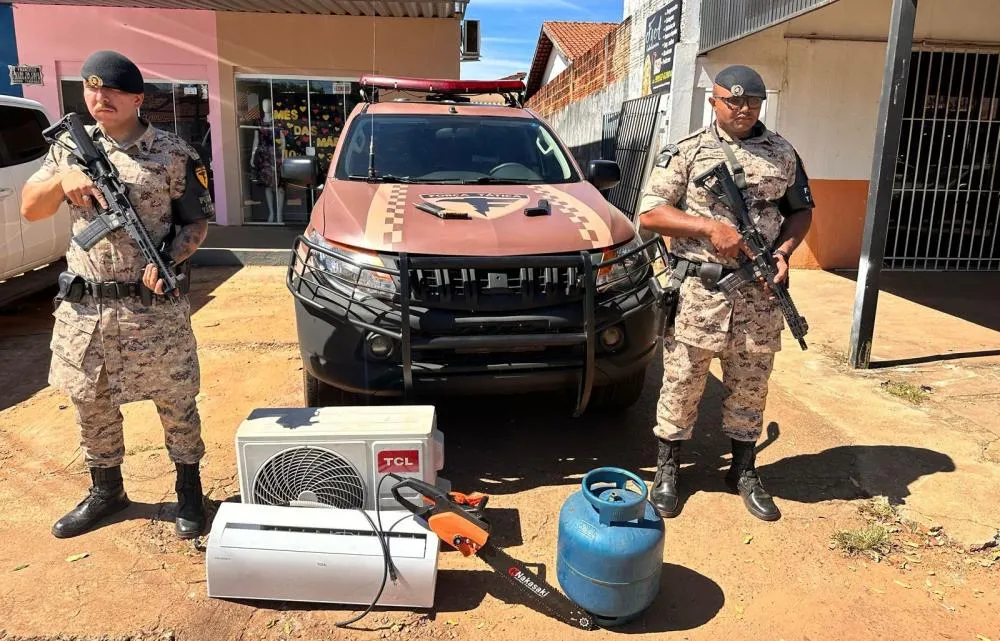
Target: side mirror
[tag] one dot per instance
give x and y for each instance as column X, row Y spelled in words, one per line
column 300, row 171
column 603, row 174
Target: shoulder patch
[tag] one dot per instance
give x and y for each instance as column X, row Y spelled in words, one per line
column 666, row 155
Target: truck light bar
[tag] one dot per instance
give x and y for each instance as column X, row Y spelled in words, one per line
column 444, row 89
column 443, row 86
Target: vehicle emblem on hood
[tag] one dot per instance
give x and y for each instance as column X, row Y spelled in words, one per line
column 480, row 205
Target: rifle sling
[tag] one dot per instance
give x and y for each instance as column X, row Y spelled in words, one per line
column 739, row 177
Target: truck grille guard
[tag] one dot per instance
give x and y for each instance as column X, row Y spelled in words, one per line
column 554, row 279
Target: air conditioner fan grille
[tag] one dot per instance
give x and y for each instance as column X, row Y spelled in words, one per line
column 310, row 474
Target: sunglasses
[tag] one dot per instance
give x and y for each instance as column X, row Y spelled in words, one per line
column 738, row 103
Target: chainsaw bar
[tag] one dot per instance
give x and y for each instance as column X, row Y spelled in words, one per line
column 538, row 591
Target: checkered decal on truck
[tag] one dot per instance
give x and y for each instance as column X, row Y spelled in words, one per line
column 591, row 227
column 394, row 215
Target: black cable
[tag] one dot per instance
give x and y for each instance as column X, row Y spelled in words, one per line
column 388, row 567
column 385, row 574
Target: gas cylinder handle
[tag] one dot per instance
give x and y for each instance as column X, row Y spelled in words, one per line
column 628, row 505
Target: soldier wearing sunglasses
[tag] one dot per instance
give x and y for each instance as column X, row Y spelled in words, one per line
column 742, row 330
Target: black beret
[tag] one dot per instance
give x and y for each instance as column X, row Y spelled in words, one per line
column 112, row 69
column 742, row 81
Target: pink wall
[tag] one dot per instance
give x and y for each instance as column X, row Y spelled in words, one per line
column 173, row 45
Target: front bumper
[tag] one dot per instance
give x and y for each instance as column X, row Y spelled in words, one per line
column 548, row 333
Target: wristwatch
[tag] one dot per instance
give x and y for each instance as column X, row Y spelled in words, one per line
column 782, row 253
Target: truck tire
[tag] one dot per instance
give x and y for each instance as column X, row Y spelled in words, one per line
column 618, row 395
column 319, row 394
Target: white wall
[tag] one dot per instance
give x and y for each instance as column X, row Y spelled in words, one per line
column 968, row 20
column 833, row 123
column 556, row 65
column 827, row 68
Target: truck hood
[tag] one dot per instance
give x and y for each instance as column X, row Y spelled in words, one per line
column 385, row 217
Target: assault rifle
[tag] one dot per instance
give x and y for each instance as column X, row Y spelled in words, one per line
column 760, row 266
column 119, row 214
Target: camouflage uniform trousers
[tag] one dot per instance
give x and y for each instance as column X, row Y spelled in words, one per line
column 685, row 371
column 102, row 437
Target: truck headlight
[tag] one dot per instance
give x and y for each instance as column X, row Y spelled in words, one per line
column 342, row 269
column 625, row 273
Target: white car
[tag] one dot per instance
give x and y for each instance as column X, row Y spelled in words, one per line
column 31, row 253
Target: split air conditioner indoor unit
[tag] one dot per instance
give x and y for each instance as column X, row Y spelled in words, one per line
column 319, row 554
column 337, row 456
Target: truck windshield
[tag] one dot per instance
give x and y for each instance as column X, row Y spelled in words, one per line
column 454, row 149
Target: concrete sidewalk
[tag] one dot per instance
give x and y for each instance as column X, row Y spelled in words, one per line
column 941, row 375
column 240, row 246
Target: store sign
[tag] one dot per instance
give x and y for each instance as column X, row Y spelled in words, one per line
column 25, row 74
column 341, row 87
column 663, row 30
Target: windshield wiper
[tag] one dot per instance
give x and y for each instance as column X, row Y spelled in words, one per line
column 388, row 178
column 491, row 180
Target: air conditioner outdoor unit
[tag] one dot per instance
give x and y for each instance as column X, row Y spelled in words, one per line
column 318, row 554
column 471, row 40
column 336, row 456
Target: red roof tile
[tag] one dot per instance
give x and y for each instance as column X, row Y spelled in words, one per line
column 577, row 38
column 573, row 39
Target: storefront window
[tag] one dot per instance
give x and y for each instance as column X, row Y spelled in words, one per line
column 283, row 118
column 180, row 108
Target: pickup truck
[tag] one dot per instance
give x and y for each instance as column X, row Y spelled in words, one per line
column 31, row 253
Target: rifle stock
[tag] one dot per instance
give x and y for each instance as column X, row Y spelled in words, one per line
column 760, row 265
column 119, row 213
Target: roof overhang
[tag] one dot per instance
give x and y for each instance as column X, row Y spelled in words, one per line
column 543, row 49
column 377, row 8
column 725, row 21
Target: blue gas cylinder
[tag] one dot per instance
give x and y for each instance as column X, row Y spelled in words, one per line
column 610, row 547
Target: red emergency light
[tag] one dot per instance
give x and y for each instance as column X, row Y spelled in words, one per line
column 443, row 86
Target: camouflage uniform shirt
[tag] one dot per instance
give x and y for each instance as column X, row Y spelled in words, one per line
column 707, row 318
column 147, row 351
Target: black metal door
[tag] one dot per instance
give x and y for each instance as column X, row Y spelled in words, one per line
column 634, row 131
column 946, row 198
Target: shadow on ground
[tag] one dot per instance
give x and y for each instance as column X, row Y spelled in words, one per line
column 26, row 333
column 498, row 447
column 965, row 295
column 686, row 600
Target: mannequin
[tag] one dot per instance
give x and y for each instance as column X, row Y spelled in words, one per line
column 263, row 163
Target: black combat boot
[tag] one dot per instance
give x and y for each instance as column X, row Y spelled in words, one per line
column 107, row 496
column 664, row 494
column 742, row 477
column 190, row 521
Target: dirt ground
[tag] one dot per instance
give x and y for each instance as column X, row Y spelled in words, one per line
column 836, row 439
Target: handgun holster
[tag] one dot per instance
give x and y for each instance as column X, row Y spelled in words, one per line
column 710, row 273
column 70, row 288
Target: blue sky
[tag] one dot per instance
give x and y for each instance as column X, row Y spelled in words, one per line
column 510, row 29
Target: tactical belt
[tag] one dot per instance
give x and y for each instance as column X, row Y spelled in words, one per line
column 73, row 288
column 694, row 268
column 112, row 289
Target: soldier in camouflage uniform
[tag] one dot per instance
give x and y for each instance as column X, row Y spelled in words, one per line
column 126, row 342
column 743, row 331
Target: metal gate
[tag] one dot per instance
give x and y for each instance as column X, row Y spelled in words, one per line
column 609, row 131
column 946, row 195
column 633, row 136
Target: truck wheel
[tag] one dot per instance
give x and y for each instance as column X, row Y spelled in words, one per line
column 319, row 394
column 618, row 395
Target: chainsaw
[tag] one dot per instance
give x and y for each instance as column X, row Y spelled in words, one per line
column 454, row 518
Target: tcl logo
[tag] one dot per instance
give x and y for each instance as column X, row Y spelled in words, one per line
column 399, row 461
